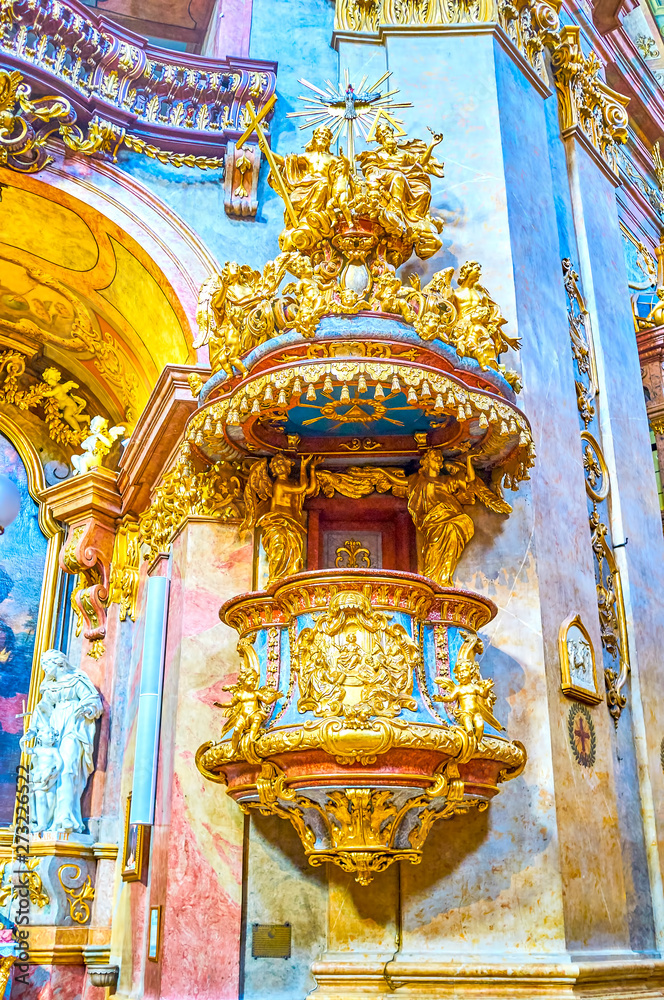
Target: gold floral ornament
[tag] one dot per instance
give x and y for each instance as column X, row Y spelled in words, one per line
column 275, row 506
column 78, row 895
column 216, row 491
column 354, row 553
column 26, row 124
column 30, row 876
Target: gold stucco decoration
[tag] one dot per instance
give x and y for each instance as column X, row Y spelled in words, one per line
column 26, row 124
column 349, row 223
column 77, row 895
column 37, row 893
column 63, row 409
column 588, row 108
column 125, row 569
column 183, row 492
column 347, row 757
column 524, row 21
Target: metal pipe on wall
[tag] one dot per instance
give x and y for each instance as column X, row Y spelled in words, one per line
column 149, row 704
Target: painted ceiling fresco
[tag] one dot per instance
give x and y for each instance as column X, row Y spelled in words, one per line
column 76, row 291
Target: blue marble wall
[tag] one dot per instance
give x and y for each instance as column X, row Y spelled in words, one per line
column 297, row 37
column 634, row 515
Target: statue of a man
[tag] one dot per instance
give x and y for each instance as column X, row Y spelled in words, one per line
column 62, row 725
column 398, row 174
column 317, row 182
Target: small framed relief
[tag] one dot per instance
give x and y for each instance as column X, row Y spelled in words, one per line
column 134, row 854
column 577, row 661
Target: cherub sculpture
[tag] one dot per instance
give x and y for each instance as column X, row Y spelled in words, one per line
column 250, row 705
column 70, row 406
column 96, row 446
column 435, row 497
column 437, row 314
column 275, row 506
column 472, row 698
column 389, row 296
column 397, row 176
column 44, row 774
column 478, row 329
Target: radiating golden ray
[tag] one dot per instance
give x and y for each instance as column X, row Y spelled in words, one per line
column 349, row 112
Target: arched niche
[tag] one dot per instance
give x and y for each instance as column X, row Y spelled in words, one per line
column 28, row 582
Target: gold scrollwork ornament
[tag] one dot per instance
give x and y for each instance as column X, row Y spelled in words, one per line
column 78, row 895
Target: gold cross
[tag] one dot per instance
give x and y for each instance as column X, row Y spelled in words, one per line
column 256, row 127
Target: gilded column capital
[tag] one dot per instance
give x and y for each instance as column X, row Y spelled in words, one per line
column 589, row 109
column 527, row 23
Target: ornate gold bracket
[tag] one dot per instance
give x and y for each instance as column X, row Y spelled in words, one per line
column 362, row 825
column 89, row 505
column 589, row 109
column 124, row 576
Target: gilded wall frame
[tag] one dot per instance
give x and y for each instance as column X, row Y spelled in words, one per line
column 133, row 848
column 577, row 662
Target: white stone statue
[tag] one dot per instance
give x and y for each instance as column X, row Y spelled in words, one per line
column 96, row 445
column 63, row 727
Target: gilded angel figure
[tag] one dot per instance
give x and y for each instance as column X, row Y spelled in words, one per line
column 436, row 495
column 478, row 332
column 235, row 312
column 472, row 698
column 275, row 506
column 251, row 704
column 398, row 174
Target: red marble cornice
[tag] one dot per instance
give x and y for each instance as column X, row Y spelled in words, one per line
column 651, row 344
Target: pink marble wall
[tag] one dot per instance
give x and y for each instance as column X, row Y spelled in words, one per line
column 54, row 982
column 196, row 866
column 229, row 30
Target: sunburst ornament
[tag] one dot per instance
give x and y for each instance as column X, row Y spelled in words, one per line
column 350, row 111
